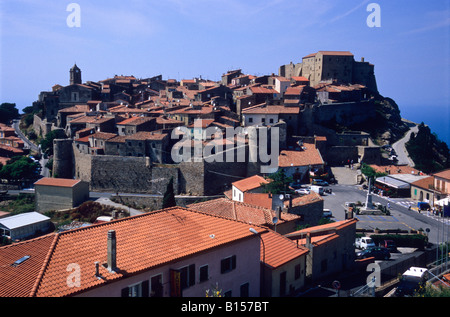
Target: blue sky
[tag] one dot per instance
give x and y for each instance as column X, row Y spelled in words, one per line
column 190, row 38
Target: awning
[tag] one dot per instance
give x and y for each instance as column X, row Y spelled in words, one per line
column 392, row 182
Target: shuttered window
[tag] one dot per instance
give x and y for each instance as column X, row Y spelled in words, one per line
column 228, row 264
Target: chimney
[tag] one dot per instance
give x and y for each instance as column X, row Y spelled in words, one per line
column 308, row 240
column 279, row 212
column 97, row 271
column 112, row 251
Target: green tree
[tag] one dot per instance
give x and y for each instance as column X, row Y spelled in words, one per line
column 169, row 196
column 370, row 173
column 8, row 111
column 278, row 183
column 20, row 168
column 47, row 142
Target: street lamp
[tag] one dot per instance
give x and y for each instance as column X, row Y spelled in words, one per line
column 262, row 288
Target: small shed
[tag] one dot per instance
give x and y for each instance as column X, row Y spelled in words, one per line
column 24, row 225
column 60, row 193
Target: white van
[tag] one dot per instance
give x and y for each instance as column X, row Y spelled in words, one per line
column 317, row 189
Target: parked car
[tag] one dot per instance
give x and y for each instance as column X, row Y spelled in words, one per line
column 327, row 213
column 319, row 182
column 296, row 185
column 379, row 253
column 411, row 280
column 303, row 191
column 364, row 243
column 390, row 245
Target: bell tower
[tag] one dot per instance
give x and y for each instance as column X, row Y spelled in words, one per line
column 75, row 75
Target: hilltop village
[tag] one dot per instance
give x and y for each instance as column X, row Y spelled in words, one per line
column 224, row 150
column 120, row 130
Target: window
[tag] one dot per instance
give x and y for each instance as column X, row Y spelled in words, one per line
column 250, row 120
column 187, row 276
column 271, row 120
column 156, row 286
column 244, row 290
column 282, row 283
column 136, row 290
column 298, row 270
column 204, row 276
column 228, row 264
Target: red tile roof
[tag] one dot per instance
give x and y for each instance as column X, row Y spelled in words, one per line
column 326, row 229
column 332, row 53
column 270, row 109
column 143, row 242
column 312, row 197
column 59, row 182
column 443, row 174
column 250, row 183
column 278, row 250
column 235, row 210
column 309, row 156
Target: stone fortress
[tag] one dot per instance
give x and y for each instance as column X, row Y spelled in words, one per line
column 119, row 129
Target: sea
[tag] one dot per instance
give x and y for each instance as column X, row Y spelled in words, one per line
column 436, row 117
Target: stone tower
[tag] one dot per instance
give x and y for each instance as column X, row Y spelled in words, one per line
column 75, row 75
column 63, row 158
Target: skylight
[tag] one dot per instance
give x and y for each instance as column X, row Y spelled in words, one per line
column 21, row 260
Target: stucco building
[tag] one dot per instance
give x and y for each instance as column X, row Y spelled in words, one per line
column 60, row 193
column 172, row 252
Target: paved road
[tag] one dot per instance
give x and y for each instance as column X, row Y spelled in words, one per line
column 400, row 218
column 400, row 149
column 30, row 145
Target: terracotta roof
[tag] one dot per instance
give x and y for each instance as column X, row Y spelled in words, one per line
column 326, row 229
column 76, row 108
column 18, row 281
column 135, row 120
column 395, row 169
column 278, row 250
column 270, row 109
column 320, row 239
column 235, row 210
column 332, row 53
column 424, row 183
column 144, row 135
column 143, row 242
column 258, row 199
column 250, row 183
column 262, row 90
column 102, row 135
column 59, row 182
column 443, row 174
column 300, row 78
column 297, row 90
column 312, row 197
column 309, row 156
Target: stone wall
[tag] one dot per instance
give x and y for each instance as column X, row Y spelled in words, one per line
column 345, row 114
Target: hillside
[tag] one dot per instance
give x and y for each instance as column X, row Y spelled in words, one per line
column 388, row 126
column 428, row 152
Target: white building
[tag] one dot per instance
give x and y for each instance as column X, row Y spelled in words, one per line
column 24, row 225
